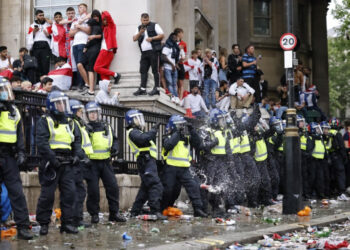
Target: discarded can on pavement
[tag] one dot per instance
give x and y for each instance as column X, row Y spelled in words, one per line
column 152, row 217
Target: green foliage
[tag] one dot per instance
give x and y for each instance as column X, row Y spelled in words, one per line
column 339, row 61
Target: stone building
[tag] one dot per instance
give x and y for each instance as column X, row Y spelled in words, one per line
column 207, row 23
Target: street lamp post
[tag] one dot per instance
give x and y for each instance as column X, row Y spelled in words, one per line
column 292, row 198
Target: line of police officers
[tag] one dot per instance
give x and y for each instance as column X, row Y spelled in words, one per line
column 242, row 159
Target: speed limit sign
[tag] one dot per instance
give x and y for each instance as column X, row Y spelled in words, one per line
column 288, row 41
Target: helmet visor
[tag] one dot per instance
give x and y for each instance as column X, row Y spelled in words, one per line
column 62, row 104
column 94, row 114
column 278, row 126
column 318, row 130
column 79, row 111
column 222, row 121
column 259, row 128
column 264, row 124
column 139, row 120
column 6, row 93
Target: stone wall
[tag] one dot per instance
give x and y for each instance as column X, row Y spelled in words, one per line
column 128, row 187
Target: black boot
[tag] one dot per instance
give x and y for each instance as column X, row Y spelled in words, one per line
column 160, row 216
column 140, row 92
column 199, row 213
column 44, row 229
column 69, row 229
column 24, row 234
column 94, row 219
column 83, row 224
column 117, row 78
column 154, row 91
column 117, row 217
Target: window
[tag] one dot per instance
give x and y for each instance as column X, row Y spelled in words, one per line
column 51, row 6
column 262, row 19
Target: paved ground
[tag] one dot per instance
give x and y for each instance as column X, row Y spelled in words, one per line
column 109, row 236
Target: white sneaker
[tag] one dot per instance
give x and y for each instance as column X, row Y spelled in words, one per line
column 342, row 197
column 279, row 197
column 177, row 100
column 173, row 99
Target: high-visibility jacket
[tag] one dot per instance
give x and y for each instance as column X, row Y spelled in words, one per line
column 280, row 148
column 329, row 145
column 85, row 139
column 319, row 150
column 101, row 144
column 8, row 126
column 179, row 156
column 245, row 144
column 303, row 142
column 220, row 148
column 260, row 150
column 136, row 150
column 234, row 143
column 61, row 137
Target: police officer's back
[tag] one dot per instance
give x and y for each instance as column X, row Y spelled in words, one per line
column 11, row 145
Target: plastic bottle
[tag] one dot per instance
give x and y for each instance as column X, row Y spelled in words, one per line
column 152, row 217
column 186, row 217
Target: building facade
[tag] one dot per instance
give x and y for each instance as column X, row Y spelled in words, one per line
column 207, row 24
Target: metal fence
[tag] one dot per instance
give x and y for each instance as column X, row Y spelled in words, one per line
column 32, row 107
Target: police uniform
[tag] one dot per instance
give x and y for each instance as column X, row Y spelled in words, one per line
column 59, row 144
column 79, row 171
column 104, row 145
column 12, row 143
column 178, row 160
column 276, row 144
column 305, row 158
column 143, row 147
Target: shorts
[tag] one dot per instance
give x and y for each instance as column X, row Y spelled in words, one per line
column 89, row 58
column 181, row 72
column 78, row 53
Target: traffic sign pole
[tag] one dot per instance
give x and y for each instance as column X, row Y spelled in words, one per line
column 292, row 193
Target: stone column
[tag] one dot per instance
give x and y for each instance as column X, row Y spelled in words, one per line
column 320, row 51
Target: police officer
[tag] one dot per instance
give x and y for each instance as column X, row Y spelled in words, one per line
column 12, row 155
column 59, row 145
column 78, row 116
column 178, row 160
column 235, row 192
column 338, row 156
column 105, row 147
column 318, row 162
column 142, row 144
column 305, row 157
column 259, row 148
column 276, row 142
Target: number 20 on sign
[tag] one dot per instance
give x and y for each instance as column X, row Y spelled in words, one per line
column 288, row 41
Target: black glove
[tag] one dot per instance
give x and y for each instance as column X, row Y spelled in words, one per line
column 21, row 159
column 190, row 127
column 55, row 163
column 86, row 161
column 216, row 140
column 76, row 160
column 114, row 154
column 156, row 126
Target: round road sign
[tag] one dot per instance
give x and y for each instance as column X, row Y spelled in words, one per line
column 288, row 41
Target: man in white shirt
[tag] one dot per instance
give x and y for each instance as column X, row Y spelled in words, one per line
column 38, row 42
column 6, row 61
column 149, row 36
column 194, row 72
column 80, row 30
column 241, row 94
column 195, row 102
column 210, row 75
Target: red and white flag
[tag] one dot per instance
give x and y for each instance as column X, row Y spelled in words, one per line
column 62, row 77
column 58, row 41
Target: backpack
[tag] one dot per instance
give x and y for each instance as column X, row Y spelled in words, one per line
column 30, row 62
column 5, row 205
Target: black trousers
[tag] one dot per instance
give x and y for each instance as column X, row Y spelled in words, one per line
column 316, row 173
column 172, row 176
column 251, row 179
column 101, row 169
column 281, row 161
column 65, row 181
column 234, row 194
column 80, row 193
column 265, row 193
column 42, row 55
column 272, row 168
column 11, row 177
column 149, row 59
column 305, row 163
column 338, row 171
column 151, row 188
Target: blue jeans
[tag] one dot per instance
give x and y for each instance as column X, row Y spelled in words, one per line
column 171, row 81
column 222, row 75
column 199, row 114
column 78, row 57
column 210, row 87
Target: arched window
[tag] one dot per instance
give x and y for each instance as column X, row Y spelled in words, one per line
column 262, row 17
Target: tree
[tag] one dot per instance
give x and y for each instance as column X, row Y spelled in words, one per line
column 339, row 61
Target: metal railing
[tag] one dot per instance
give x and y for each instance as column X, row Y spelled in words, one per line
column 32, row 107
